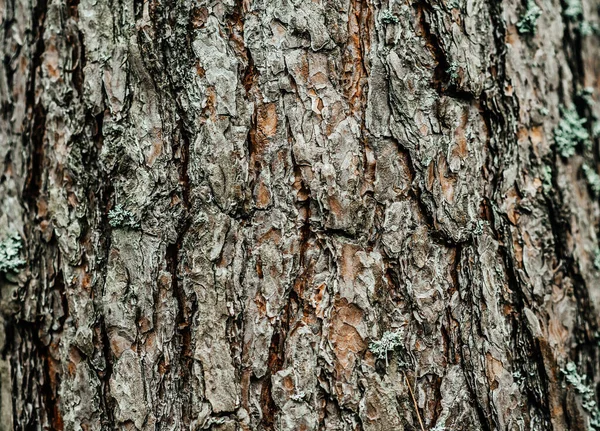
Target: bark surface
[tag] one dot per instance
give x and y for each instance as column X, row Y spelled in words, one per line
column 223, row 203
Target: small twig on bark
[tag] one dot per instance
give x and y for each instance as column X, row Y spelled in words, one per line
column 414, row 401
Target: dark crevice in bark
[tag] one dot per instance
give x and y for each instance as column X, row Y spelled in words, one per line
column 74, row 38
column 355, row 77
column 182, row 368
column 27, row 383
column 250, row 74
column 274, row 364
column 33, row 181
column 186, row 309
column 184, row 178
column 7, row 107
column 560, row 227
column 471, row 313
column 44, row 381
column 529, row 362
column 34, row 399
column 249, row 80
column 441, row 77
column 107, row 402
column 572, row 48
column 254, row 159
column 442, row 80
column 499, row 111
column 559, row 217
column 485, row 420
column 415, row 193
column 105, row 194
column 528, row 357
column 34, row 139
column 138, row 8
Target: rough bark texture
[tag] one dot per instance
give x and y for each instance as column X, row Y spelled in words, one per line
column 222, row 203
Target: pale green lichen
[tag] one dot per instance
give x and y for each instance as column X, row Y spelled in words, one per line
column 547, row 179
column 597, row 260
column 453, row 71
column 478, row 227
column 518, row 378
column 389, row 342
column 298, row 396
column 570, row 132
column 120, row 217
column 593, row 178
column 587, row 29
column 586, row 392
column 388, row 17
column 596, row 129
column 10, row 250
column 586, row 94
column 527, row 23
column 574, row 10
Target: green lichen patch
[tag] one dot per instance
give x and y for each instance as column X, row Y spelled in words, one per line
column 452, row 71
column 597, row 260
column 596, row 129
column 570, row 132
column 574, row 10
column 593, row 178
column 547, row 179
column 586, row 95
column 388, row 17
column 587, row 29
column 120, row 217
column 389, row 342
column 527, row 23
column 10, row 250
column 586, row 393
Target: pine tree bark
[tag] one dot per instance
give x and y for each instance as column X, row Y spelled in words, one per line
column 223, row 203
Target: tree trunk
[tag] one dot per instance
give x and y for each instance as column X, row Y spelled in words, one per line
column 299, row 215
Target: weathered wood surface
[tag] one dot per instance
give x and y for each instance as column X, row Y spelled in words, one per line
column 223, row 203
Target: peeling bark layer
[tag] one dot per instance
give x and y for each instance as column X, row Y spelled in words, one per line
column 222, row 203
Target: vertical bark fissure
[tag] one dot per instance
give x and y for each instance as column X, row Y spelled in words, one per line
column 34, row 140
